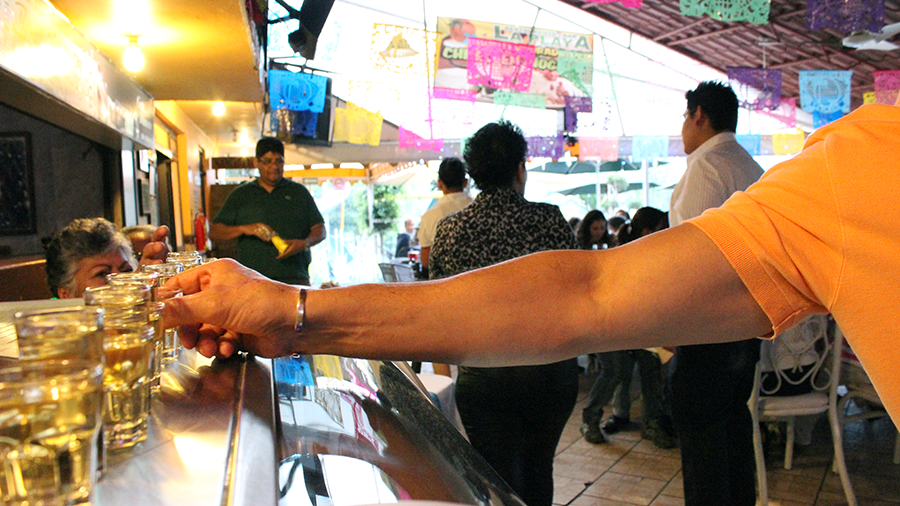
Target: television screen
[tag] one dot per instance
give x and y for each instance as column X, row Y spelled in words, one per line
column 306, row 127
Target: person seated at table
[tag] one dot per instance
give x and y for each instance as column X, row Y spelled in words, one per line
column 406, row 240
column 513, row 416
column 87, row 249
column 592, row 233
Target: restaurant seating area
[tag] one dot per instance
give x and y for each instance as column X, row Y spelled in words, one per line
column 632, row 471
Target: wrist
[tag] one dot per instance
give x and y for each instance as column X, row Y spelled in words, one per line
column 300, row 315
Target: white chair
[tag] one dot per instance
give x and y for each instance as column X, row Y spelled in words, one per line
column 809, row 353
column 859, row 388
column 388, row 273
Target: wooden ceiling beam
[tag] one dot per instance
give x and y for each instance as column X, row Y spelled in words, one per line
column 676, row 31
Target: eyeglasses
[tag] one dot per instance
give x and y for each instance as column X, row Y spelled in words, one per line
column 271, row 161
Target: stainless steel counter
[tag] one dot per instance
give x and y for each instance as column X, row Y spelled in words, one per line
column 210, row 440
column 364, row 432
column 306, row 431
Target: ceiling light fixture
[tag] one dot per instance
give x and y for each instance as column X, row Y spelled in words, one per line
column 133, row 59
column 219, row 109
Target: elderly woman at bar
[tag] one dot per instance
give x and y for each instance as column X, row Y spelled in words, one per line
column 87, row 249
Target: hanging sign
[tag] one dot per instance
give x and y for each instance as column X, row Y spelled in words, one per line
column 545, row 78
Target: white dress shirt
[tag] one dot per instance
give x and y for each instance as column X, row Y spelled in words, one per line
column 715, row 170
column 447, row 205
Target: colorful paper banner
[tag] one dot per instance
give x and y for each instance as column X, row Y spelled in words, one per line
column 825, row 91
column 296, row 91
column 498, row 64
column 766, row 82
column 404, row 50
column 410, row 140
column 631, row 4
column 788, row 143
column 604, row 148
column 754, row 11
column 749, row 142
column 547, row 147
column 533, row 100
column 887, row 84
column 649, row 147
column 845, row 15
column 357, row 125
column 576, row 66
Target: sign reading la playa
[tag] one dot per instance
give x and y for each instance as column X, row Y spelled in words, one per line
column 543, row 38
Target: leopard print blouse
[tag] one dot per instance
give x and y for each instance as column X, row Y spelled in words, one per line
column 499, row 225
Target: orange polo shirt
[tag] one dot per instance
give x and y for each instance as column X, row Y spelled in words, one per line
column 821, row 232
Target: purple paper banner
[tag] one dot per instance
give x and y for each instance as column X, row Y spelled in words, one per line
column 845, row 15
column 767, row 82
column 548, row 147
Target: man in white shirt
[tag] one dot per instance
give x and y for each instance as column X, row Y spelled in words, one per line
column 710, row 383
column 451, row 181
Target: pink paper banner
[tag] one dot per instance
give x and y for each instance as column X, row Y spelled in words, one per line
column 604, row 148
column 785, row 115
column 453, row 94
column 632, row 4
column 410, row 140
column 500, row 65
column 887, row 84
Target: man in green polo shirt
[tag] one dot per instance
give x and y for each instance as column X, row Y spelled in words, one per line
column 269, row 206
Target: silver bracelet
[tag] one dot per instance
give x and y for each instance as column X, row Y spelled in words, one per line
column 301, row 310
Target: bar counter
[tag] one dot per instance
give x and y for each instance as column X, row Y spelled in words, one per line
column 304, row 430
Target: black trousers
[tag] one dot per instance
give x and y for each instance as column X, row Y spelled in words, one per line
column 710, row 386
column 514, row 417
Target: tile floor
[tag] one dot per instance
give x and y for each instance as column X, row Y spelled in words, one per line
column 631, row 471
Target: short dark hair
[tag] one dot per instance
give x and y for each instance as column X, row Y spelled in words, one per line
column 269, row 144
column 81, row 238
column 452, row 173
column 719, row 103
column 494, row 153
column 649, row 219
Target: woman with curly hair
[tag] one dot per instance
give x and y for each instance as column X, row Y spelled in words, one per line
column 513, row 416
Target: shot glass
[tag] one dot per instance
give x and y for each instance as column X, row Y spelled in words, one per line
column 170, row 336
column 190, row 259
column 150, row 279
column 129, row 350
column 127, row 379
column 165, row 271
column 61, row 333
column 50, row 412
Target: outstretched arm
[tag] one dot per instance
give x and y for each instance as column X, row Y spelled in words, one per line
column 673, row 287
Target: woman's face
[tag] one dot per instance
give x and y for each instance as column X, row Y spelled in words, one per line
column 92, row 272
column 597, row 229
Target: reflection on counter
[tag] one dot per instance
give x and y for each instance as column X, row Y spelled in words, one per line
column 364, row 431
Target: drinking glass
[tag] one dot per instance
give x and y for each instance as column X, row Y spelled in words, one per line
column 165, row 271
column 61, row 333
column 129, row 349
column 170, row 336
column 126, row 385
column 150, row 279
column 50, row 412
column 190, row 259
